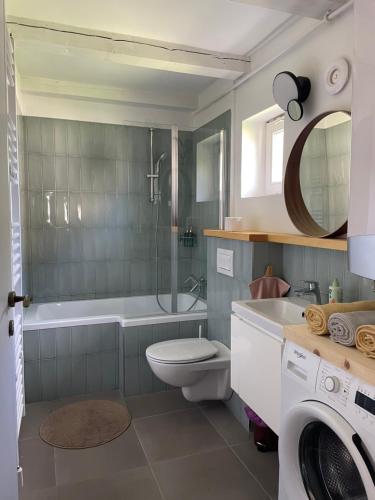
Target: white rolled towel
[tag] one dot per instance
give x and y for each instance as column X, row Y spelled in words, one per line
column 342, row 326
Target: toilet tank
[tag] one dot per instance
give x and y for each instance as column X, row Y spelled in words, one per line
column 361, row 223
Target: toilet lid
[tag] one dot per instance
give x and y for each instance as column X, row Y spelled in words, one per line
column 182, row 351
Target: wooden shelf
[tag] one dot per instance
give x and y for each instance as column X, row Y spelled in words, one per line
column 346, row 358
column 286, row 239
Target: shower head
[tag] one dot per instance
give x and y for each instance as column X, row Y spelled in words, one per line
column 161, row 157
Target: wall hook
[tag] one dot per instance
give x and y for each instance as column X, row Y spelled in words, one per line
column 269, row 271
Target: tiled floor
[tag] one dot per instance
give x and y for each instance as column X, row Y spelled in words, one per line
column 174, row 450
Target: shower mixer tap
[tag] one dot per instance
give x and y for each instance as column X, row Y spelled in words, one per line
column 197, row 283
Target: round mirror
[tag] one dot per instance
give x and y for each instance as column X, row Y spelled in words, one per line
column 316, row 186
column 295, row 110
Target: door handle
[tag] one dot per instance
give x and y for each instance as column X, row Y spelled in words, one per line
column 13, row 298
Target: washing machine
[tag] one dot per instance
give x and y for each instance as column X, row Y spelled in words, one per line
column 327, row 433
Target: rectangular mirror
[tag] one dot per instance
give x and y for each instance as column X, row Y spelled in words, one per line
column 208, row 168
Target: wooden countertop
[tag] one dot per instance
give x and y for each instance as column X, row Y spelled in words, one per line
column 346, row 358
column 286, row 239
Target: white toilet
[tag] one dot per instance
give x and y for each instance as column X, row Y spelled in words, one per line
column 199, row 366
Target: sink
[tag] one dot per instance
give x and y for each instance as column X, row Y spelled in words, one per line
column 271, row 314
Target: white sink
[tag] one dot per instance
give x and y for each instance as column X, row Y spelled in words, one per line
column 271, row 314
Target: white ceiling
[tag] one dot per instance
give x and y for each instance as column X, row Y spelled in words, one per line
column 32, row 61
column 219, row 25
column 309, row 8
column 211, row 25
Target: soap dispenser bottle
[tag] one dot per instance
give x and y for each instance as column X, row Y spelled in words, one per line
column 335, row 292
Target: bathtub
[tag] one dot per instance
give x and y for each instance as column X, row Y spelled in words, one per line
column 94, row 346
column 126, row 311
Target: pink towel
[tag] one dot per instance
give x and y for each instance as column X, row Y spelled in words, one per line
column 268, row 287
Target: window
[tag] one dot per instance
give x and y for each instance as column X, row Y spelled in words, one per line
column 274, row 155
column 262, row 153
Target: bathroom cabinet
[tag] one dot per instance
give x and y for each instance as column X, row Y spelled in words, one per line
column 256, row 369
column 361, row 224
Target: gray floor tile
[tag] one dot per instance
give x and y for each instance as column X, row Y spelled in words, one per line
column 157, row 402
column 225, row 423
column 44, row 494
column 122, row 453
column 186, row 443
column 134, row 484
column 216, row 475
column 264, row 466
column 110, row 395
column 35, row 414
column 207, row 403
column 36, row 459
column 176, row 434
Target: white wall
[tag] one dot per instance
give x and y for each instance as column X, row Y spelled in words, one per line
column 309, row 58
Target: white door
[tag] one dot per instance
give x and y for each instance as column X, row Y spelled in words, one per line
column 8, row 394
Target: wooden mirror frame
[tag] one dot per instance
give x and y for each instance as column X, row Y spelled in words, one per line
column 294, row 201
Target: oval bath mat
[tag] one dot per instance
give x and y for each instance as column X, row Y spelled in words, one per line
column 85, row 424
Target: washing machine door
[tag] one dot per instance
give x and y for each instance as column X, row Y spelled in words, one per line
column 322, row 457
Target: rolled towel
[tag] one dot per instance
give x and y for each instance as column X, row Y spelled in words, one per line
column 317, row 315
column 343, row 326
column 365, row 340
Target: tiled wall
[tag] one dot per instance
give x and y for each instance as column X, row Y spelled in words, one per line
column 25, row 236
column 88, row 227
column 250, row 261
column 86, row 205
column 320, row 265
column 64, row 362
column 186, row 168
column 293, row 263
column 136, row 376
column 205, row 215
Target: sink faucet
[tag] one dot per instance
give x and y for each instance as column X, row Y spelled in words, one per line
column 310, row 288
column 197, row 283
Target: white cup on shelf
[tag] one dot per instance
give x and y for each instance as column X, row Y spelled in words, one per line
column 233, row 223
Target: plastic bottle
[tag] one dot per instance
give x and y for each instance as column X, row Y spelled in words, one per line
column 335, row 292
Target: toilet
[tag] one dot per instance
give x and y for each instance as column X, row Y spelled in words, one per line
column 199, row 366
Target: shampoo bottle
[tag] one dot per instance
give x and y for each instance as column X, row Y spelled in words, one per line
column 335, row 292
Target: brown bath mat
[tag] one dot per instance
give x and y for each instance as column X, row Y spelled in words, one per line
column 85, row 424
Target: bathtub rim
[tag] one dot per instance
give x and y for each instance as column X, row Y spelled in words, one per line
column 32, row 323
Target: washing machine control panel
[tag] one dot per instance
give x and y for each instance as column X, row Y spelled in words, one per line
column 364, row 400
column 348, row 395
column 334, row 383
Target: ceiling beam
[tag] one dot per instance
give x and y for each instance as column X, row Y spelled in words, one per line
column 304, row 8
column 130, row 50
column 100, row 93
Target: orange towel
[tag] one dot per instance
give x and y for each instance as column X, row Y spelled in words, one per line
column 365, row 340
column 317, row 316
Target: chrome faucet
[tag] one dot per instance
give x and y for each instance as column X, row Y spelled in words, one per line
column 310, row 288
column 197, row 283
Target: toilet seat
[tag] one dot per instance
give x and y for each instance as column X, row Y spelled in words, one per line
column 182, row 351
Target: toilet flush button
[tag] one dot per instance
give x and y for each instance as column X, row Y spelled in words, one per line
column 332, row 384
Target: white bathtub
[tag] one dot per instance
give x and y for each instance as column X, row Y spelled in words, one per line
column 127, row 311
